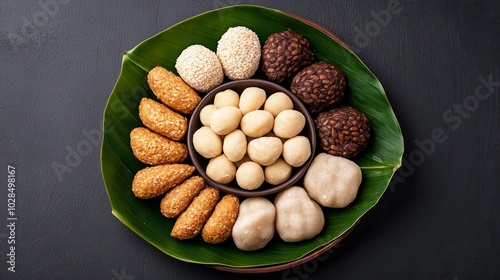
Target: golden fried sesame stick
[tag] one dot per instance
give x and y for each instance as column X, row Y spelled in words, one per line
column 160, row 119
column 191, row 221
column 156, row 180
column 220, row 225
column 152, row 148
column 179, row 198
column 172, row 90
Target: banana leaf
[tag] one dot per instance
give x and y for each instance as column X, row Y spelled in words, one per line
column 378, row 163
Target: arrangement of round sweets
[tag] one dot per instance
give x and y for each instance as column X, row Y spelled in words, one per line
column 251, row 138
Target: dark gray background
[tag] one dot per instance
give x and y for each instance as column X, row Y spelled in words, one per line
column 441, row 220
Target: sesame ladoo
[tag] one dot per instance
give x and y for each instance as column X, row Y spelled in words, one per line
column 239, row 52
column 343, row 131
column 319, row 86
column 200, row 68
column 284, row 54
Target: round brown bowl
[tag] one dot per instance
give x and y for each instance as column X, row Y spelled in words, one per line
column 266, row 189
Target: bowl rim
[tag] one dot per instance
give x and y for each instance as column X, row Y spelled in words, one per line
column 299, row 172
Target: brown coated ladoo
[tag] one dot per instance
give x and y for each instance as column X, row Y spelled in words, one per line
column 343, row 131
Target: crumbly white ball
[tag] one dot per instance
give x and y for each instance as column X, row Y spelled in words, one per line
column 278, row 102
column 206, row 142
column 227, row 97
column 252, row 98
column 225, row 120
column 265, row 150
column 250, row 175
column 200, row 68
column 239, row 52
column 278, row 172
column 221, row 170
column 235, row 145
column 289, row 123
column 296, row 150
column 206, row 114
column 257, row 123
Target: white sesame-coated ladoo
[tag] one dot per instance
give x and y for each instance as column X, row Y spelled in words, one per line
column 200, row 68
column 239, row 52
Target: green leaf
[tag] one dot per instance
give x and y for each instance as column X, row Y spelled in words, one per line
column 119, row 166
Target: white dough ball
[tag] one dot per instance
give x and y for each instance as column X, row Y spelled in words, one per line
column 297, row 150
column 289, row 123
column 225, row 120
column 278, row 172
column 225, row 98
column 278, row 102
column 252, row 98
column 250, row 175
column 257, row 123
column 206, row 114
column 221, row 170
column 265, row 150
column 235, row 145
column 206, row 142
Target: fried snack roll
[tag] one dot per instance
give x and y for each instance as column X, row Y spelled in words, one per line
column 172, row 90
column 191, row 221
column 220, row 225
column 152, row 148
column 156, row 180
column 160, row 119
column 179, row 198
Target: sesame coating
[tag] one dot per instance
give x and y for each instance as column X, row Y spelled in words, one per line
column 220, row 225
column 152, row 148
column 172, row 90
column 179, row 198
column 239, row 52
column 157, row 180
column 160, row 119
column 200, row 68
column 191, row 221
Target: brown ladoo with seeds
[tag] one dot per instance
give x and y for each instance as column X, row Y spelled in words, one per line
column 343, row 131
column 284, row 54
column 319, row 86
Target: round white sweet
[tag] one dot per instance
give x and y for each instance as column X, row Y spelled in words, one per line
column 250, row 175
column 265, row 150
column 296, row 150
column 235, row 145
column 206, row 142
column 278, row 172
column 221, row 170
column 289, row 123
column 278, row 102
column 227, row 97
column 257, row 123
column 252, row 98
column 225, row 120
column 206, row 114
